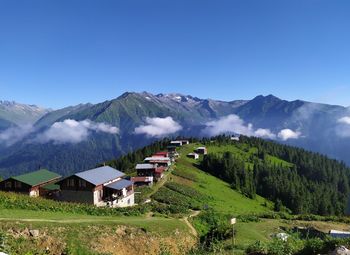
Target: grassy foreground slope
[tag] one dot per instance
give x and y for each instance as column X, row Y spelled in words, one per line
column 65, row 228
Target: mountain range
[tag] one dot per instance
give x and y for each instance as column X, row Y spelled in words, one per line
column 79, row 137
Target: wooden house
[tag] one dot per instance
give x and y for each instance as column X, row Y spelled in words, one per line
column 38, row 183
column 160, row 161
column 145, row 169
column 176, row 143
column 172, row 152
column 150, row 170
column 202, row 150
column 159, row 173
column 193, row 155
column 142, row 180
column 185, row 142
column 235, row 138
column 103, row 186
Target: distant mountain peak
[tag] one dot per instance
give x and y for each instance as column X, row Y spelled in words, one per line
column 269, row 97
column 20, row 114
column 7, row 103
column 126, row 94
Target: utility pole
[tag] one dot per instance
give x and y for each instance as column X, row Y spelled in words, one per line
column 233, row 222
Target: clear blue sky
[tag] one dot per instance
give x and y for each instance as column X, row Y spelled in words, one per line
column 63, row 52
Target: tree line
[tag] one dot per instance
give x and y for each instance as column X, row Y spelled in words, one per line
column 313, row 184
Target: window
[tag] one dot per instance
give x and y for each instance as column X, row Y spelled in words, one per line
column 8, row 185
column 128, row 201
column 70, row 183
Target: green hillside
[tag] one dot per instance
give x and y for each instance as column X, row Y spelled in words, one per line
column 190, row 207
column 218, row 201
column 222, row 197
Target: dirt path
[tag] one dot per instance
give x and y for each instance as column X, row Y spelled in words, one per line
column 121, row 221
column 186, row 220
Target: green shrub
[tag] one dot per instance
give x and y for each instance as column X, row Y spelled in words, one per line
column 257, row 247
column 212, row 227
column 185, row 174
column 17, row 201
column 166, row 209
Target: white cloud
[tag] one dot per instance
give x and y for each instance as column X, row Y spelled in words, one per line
column 234, row 124
column 342, row 129
column 15, row 134
column 72, row 131
column 158, row 127
column 286, row 134
column 228, row 124
column 344, row 120
column 264, row 133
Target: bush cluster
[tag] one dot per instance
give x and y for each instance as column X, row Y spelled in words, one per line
column 17, row 201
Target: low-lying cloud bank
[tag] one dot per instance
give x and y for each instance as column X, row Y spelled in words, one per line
column 72, row 131
column 234, row 124
column 15, row 134
column 158, row 127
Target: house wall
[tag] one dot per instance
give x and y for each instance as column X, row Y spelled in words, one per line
column 145, row 172
column 98, row 194
column 75, row 183
column 11, row 185
column 75, row 189
column 126, row 201
column 77, row 196
column 34, row 191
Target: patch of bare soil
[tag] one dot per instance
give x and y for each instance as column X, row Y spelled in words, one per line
column 38, row 240
column 127, row 240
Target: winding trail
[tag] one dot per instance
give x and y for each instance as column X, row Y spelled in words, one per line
column 186, row 220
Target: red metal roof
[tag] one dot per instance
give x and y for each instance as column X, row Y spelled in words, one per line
column 161, row 153
column 140, row 179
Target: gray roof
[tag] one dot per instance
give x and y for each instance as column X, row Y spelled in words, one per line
column 100, row 175
column 145, row 166
column 119, row 185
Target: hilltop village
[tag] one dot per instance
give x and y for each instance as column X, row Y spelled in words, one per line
column 101, row 186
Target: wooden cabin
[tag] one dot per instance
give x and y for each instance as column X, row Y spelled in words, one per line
column 35, row 184
column 150, row 170
column 193, row 155
column 202, row 150
column 103, row 186
column 160, row 161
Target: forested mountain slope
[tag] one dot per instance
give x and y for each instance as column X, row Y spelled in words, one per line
column 317, row 127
